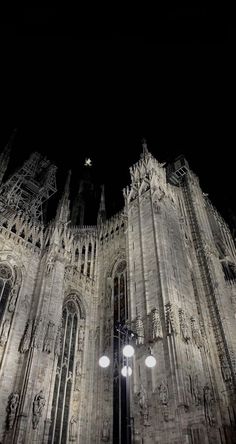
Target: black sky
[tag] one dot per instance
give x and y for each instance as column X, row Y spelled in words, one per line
column 94, row 83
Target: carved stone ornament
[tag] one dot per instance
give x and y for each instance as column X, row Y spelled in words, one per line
column 5, row 332
column 38, row 405
column 208, row 405
column 163, row 393
column 171, row 319
column 106, row 430
column 184, row 328
column 156, row 325
column 13, row 403
column 139, row 330
column 142, row 401
column 225, row 369
column 25, row 342
column 49, row 338
column 196, row 334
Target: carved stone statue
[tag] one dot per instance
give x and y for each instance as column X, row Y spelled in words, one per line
column 163, row 393
column 50, row 265
column 108, row 296
column 208, row 405
column 36, row 333
column 78, row 373
column 171, row 319
column 73, row 429
column 139, row 330
column 196, row 392
column 57, row 348
column 196, row 334
column 184, row 326
column 156, row 324
column 12, row 302
column 106, row 430
column 12, row 409
column 5, row 332
column 156, row 207
column 38, row 405
column 107, row 334
column 81, row 338
column 49, row 338
column 142, row 400
column 25, row 342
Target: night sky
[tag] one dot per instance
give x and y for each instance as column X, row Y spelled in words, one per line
column 93, row 83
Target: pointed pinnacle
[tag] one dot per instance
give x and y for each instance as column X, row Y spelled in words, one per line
column 144, row 145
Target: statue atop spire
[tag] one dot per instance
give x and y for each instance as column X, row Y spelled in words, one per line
column 5, row 155
column 102, row 208
column 145, row 148
column 63, row 209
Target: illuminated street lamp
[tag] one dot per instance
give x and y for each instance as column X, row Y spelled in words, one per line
column 126, row 371
column 128, row 351
column 104, row 361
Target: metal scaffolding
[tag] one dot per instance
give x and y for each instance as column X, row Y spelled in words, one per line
column 32, row 185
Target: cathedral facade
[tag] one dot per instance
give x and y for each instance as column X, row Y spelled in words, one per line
column 161, row 274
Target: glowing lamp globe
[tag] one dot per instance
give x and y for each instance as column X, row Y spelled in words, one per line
column 126, row 371
column 104, row 361
column 150, row 361
column 128, row 351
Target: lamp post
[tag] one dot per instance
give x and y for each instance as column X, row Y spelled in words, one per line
column 126, row 336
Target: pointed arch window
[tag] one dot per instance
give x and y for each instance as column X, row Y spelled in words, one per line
column 64, row 375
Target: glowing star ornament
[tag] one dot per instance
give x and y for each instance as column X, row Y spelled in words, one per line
column 88, row 162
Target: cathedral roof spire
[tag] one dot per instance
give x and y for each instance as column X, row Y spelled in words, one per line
column 102, row 208
column 5, row 155
column 63, row 209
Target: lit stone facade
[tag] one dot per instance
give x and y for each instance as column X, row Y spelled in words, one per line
column 166, row 265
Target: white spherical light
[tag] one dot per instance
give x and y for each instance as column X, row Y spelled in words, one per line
column 104, row 361
column 150, row 361
column 126, row 371
column 128, row 351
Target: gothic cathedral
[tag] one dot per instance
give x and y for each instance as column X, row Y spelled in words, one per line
column 161, row 275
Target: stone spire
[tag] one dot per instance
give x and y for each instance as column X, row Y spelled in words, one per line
column 5, row 155
column 63, row 209
column 102, row 208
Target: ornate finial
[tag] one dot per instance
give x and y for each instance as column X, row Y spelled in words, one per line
column 144, row 145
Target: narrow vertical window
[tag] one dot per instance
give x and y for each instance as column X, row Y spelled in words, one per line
column 64, row 375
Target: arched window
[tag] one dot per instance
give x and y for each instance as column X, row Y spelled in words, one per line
column 6, row 284
column 64, row 375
